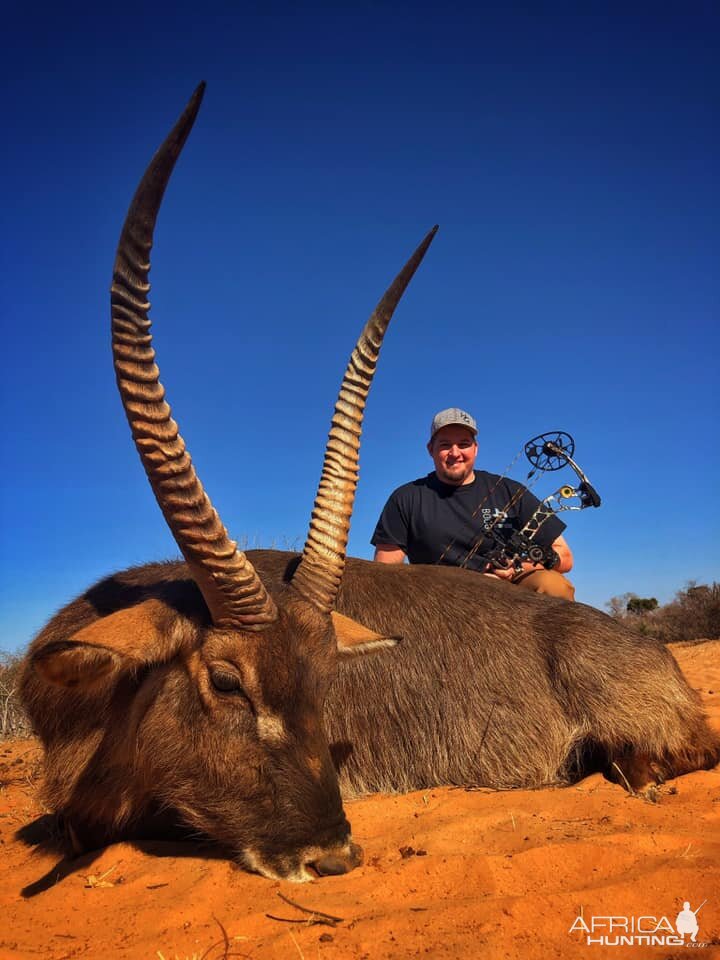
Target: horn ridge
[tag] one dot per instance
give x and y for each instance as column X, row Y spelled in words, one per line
column 318, row 575
column 234, row 594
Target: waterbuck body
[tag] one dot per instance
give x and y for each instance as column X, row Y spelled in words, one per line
column 503, row 688
column 489, row 686
column 229, row 694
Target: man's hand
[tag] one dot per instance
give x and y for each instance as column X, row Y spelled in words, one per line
column 565, row 562
column 502, row 573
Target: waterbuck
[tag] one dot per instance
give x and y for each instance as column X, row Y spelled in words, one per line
column 230, row 693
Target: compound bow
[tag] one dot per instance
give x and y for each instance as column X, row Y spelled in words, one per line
column 547, row 452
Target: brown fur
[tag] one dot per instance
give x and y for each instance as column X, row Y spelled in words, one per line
column 490, row 686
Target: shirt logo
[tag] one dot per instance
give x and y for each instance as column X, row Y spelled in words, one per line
column 494, row 518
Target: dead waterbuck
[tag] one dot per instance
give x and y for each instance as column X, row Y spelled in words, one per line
column 214, row 719
column 194, row 691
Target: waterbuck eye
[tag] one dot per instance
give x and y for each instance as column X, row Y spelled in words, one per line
column 224, row 681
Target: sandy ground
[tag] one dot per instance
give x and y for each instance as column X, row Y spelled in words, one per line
column 448, row 873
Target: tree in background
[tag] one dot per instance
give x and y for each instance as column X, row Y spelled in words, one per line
column 617, row 606
column 638, row 605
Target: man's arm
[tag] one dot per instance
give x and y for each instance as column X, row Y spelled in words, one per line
column 389, row 553
column 392, row 529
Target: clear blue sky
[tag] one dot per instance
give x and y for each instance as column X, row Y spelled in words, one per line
column 569, row 153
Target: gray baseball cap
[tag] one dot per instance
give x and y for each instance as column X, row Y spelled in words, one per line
column 453, row 416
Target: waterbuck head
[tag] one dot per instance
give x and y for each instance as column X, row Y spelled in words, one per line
column 214, row 705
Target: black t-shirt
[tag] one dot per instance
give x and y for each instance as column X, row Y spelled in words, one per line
column 434, row 522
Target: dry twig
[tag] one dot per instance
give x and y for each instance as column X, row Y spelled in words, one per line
column 627, row 782
column 315, row 917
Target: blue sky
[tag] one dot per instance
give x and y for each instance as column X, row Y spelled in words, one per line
column 569, row 156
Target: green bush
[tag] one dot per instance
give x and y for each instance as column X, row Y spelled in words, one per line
column 639, row 605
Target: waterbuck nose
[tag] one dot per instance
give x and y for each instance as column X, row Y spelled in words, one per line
column 343, row 861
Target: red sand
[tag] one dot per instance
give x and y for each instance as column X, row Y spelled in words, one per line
column 448, row 873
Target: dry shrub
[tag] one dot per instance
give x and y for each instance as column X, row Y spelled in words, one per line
column 694, row 614
column 13, row 721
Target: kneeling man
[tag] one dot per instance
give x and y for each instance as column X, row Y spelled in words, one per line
column 441, row 518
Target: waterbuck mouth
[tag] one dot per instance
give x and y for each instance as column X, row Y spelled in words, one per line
column 334, row 864
column 306, row 864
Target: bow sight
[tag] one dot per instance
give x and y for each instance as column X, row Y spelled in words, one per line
column 546, row 453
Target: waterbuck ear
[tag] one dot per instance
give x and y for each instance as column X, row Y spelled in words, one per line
column 122, row 642
column 353, row 639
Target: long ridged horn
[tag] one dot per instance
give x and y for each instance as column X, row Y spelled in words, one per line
column 320, row 570
column 232, row 589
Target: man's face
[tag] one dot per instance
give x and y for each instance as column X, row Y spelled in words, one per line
column 453, row 450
